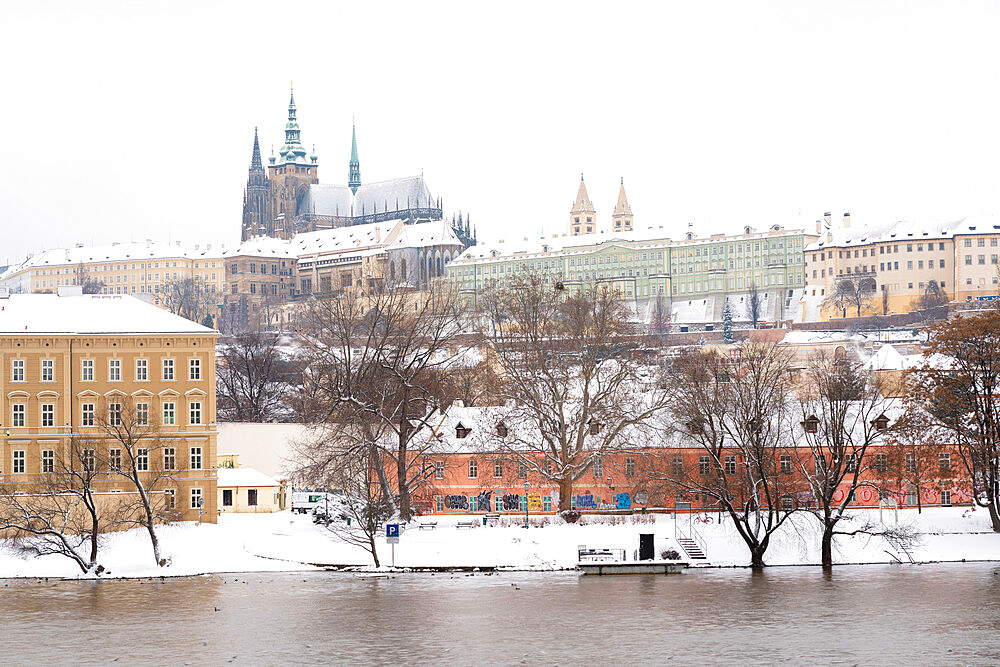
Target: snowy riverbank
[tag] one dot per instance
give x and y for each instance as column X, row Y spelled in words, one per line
column 286, row 542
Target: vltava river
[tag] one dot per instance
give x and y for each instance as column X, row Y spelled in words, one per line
column 940, row 614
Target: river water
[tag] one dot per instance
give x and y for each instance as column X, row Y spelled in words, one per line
column 932, row 614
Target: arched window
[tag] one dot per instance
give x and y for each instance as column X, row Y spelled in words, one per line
column 392, row 272
column 402, row 270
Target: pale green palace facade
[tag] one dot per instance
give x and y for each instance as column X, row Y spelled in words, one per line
column 645, row 264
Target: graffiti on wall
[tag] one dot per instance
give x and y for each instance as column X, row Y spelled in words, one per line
column 511, row 502
column 484, row 500
column 624, row 501
column 535, row 502
column 586, row 501
column 456, row 502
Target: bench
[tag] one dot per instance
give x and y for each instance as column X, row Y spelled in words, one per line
column 465, row 524
column 430, row 525
column 492, row 519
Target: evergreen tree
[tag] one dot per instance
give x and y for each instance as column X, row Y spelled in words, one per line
column 727, row 324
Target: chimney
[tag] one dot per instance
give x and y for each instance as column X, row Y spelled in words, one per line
column 378, row 234
column 826, row 219
column 819, row 226
column 847, row 221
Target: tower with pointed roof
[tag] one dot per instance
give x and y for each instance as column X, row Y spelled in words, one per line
column 621, row 219
column 354, row 170
column 582, row 217
column 290, row 174
column 256, row 198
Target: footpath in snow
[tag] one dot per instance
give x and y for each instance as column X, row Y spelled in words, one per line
column 287, row 542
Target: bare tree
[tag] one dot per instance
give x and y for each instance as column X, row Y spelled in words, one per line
column 842, row 419
column 851, row 292
column 373, row 364
column 932, row 297
column 251, row 375
column 914, row 464
column 189, row 298
column 755, row 305
column 134, row 451
column 959, row 387
column 571, row 385
column 59, row 514
column 89, row 284
column 736, row 412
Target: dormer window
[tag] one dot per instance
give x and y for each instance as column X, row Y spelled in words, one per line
column 881, row 423
column 595, row 427
column 462, row 431
column 695, row 427
column 811, row 424
column 502, row 430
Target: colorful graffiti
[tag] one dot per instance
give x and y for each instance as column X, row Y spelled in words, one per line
column 624, row 501
column 511, row 502
column 484, row 501
column 586, row 501
column 535, row 502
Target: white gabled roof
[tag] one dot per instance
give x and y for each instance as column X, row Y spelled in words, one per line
column 244, row 477
column 30, row 314
column 906, row 231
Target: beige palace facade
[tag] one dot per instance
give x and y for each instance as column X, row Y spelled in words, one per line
column 63, row 357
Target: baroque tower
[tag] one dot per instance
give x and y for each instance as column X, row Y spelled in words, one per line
column 257, row 216
column 290, row 175
column 582, row 216
column 354, row 169
column 621, row 219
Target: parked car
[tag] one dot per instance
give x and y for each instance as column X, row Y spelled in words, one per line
column 304, row 502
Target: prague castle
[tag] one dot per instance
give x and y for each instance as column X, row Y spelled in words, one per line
column 287, row 197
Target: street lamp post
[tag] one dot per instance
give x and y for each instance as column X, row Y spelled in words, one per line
column 526, row 486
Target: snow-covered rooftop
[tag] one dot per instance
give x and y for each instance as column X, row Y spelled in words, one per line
column 89, row 314
column 905, row 230
column 244, row 477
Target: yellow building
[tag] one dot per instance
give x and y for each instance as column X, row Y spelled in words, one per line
column 245, row 490
column 900, row 265
column 70, row 362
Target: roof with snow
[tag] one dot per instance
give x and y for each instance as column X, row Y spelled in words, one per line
column 244, row 477
column 397, row 194
column 31, row 314
column 905, row 230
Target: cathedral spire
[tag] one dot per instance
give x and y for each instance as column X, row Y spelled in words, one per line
column 621, row 219
column 255, row 162
column 354, row 170
column 292, row 151
column 581, row 216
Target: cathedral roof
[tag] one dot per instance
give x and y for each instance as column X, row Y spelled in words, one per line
column 426, row 234
column 582, row 203
column 391, row 195
column 622, row 207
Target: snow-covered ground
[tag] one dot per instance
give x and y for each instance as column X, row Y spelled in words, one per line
column 282, row 541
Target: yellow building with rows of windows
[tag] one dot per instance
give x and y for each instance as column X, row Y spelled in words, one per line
column 70, row 365
column 900, row 266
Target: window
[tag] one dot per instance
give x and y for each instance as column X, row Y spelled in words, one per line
column 730, row 462
column 522, row 470
column 473, row 503
column 881, row 463
column 87, row 370
column 18, row 461
column 115, row 459
column 89, row 463
column 946, row 498
column 227, row 497
column 944, row 461
column 48, row 460
column 911, row 463
column 196, row 500
column 439, row 470
column 439, row 503
column 48, row 370
column 502, row 430
column 170, row 498
column 114, row 370
column 704, row 465
column 852, row 463
column 252, row 497
column 598, row 468
column 461, row 431
column 169, row 412
column 629, row 466
column 787, row 503
column 473, row 469
column 911, row 496
column 169, row 458
column 115, row 414
column 677, row 466
column 497, row 469
column 196, row 458
column 141, row 370
column 195, row 412
column 811, row 424
column 142, row 414
column 194, row 369
column 142, row 460
column 17, row 370
column 48, row 414
column 168, row 370
column 785, row 464
column 18, row 414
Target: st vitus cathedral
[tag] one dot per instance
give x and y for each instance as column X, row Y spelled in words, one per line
column 288, row 198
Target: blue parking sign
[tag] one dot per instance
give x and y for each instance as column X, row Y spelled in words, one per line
column 392, row 530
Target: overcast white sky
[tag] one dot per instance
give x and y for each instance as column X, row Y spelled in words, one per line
column 134, row 120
